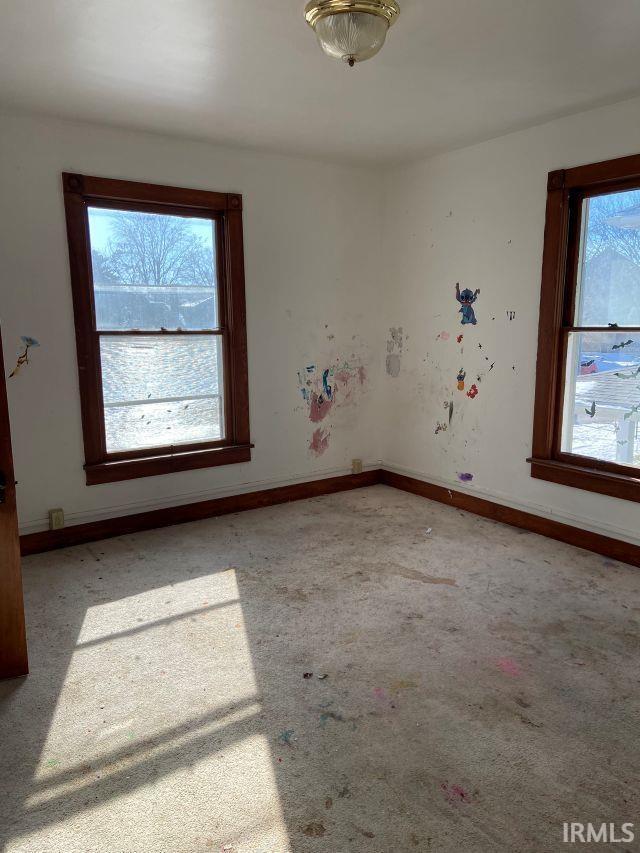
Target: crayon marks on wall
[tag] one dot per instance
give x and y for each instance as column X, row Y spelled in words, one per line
column 327, row 387
column 461, row 374
column 319, row 441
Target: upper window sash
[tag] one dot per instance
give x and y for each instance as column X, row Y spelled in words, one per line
column 118, row 305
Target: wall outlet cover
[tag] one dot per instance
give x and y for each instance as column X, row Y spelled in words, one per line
column 56, row 519
column 356, row 466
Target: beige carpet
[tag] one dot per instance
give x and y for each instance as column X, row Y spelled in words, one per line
column 481, row 687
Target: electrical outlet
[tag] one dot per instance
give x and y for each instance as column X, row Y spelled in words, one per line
column 56, row 519
column 356, row 466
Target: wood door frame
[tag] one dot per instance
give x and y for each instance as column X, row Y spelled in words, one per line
column 14, row 660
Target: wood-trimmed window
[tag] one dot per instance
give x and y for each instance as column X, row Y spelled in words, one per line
column 157, row 276
column 586, row 430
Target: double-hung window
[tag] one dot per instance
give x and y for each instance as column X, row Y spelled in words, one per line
column 587, row 413
column 158, row 289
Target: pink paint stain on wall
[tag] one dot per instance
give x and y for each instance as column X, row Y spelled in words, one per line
column 319, row 407
column 472, row 393
column 455, row 794
column 508, row 666
column 443, row 336
column 343, row 376
column 325, row 388
column 319, row 442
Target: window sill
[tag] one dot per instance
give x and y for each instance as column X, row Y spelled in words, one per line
column 591, row 479
column 151, row 466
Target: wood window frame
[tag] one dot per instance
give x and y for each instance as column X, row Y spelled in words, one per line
column 83, row 191
column 566, row 189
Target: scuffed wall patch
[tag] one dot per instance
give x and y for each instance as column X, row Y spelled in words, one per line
column 393, row 365
column 395, row 345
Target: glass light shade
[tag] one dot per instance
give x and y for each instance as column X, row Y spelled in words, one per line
column 351, row 36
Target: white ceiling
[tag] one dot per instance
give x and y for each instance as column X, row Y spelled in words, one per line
column 250, row 72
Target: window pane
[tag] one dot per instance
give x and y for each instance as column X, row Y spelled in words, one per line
column 161, row 390
column 602, row 397
column 609, row 272
column 152, row 271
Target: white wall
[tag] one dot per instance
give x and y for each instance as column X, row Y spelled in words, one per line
column 322, row 284
column 312, row 243
column 477, row 216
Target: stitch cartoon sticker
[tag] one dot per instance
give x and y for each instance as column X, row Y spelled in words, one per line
column 466, row 300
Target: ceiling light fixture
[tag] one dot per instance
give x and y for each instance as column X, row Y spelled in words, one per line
column 351, row 30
